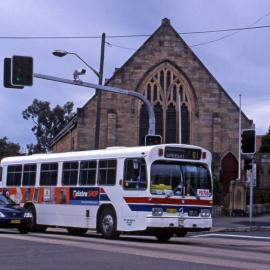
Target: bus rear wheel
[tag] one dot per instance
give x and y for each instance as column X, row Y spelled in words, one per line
column 107, row 224
column 34, row 227
column 77, row 231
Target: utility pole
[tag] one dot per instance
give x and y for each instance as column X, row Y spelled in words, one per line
column 98, row 91
column 239, row 138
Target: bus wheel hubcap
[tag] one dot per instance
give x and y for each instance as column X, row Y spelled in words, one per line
column 107, row 223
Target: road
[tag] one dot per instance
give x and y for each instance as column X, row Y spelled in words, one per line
column 58, row 250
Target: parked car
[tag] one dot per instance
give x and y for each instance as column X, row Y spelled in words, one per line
column 14, row 216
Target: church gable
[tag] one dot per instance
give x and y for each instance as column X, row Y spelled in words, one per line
column 190, row 105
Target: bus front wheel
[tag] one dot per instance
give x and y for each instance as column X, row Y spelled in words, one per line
column 107, row 224
column 163, row 236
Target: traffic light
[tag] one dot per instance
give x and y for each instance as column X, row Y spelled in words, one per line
column 248, row 141
column 153, row 139
column 22, row 70
column 7, row 75
column 247, row 164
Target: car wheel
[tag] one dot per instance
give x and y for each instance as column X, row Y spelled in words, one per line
column 24, row 229
column 108, row 223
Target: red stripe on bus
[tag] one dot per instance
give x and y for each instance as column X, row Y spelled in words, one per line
column 166, row 201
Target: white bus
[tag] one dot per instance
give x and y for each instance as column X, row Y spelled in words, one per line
column 160, row 190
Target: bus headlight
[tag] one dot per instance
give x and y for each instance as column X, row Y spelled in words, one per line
column 205, row 213
column 157, row 212
column 28, row 215
column 2, row 215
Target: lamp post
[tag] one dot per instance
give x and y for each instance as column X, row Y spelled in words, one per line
column 61, row 53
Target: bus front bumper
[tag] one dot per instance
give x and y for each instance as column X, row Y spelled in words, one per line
column 180, row 222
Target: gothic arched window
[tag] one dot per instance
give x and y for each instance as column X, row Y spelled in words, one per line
column 169, row 93
column 184, row 124
column 159, row 119
column 171, row 124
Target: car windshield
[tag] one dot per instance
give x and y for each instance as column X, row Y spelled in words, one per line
column 179, row 178
column 5, row 200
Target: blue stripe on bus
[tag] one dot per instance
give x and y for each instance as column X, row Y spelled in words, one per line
column 104, row 197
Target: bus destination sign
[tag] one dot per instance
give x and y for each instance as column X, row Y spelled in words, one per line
column 182, row 153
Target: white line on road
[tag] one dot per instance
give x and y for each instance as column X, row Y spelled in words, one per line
column 232, row 235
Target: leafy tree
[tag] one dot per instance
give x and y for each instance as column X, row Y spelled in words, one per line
column 47, row 122
column 265, row 147
column 8, row 148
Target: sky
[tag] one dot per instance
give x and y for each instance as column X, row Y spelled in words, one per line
column 239, row 62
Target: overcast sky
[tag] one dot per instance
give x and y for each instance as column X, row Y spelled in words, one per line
column 239, row 62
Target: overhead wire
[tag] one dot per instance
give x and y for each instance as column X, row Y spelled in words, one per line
column 250, row 26
column 139, row 35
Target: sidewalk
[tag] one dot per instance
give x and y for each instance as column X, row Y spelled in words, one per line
column 241, row 224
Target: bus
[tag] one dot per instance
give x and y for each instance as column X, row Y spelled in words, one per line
column 162, row 190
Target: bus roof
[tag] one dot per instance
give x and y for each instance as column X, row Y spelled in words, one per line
column 110, row 152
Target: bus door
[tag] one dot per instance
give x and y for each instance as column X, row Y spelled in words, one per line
column 134, row 185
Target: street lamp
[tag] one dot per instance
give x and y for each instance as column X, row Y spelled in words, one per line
column 61, row 53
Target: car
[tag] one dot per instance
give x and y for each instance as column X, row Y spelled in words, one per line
column 14, row 216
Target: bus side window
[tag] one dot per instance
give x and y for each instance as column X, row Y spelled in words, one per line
column 88, row 170
column 29, row 174
column 70, row 173
column 135, row 174
column 14, row 175
column 48, row 174
column 107, row 172
column 1, row 173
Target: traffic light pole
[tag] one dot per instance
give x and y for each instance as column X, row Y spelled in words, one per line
column 151, row 114
column 251, row 194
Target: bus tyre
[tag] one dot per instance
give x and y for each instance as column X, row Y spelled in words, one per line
column 163, row 236
column 107, row 224
column 34, row 226
column 77, row 231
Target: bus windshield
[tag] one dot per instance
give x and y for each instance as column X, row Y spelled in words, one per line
column 179, row 178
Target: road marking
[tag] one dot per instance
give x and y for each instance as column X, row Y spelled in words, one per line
column 232, row 235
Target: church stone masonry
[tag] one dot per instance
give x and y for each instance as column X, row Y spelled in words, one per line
column 189, row 105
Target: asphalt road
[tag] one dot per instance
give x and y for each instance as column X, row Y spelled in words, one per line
column 58, row 250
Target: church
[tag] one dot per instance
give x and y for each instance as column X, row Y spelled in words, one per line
column 190, row 105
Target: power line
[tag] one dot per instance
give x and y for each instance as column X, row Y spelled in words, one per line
column 134, row 36
column 118, row 46
column 236, row 31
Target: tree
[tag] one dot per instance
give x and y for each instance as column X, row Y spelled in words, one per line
column 47, row 122
column 8, row 148
column 265, row 147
